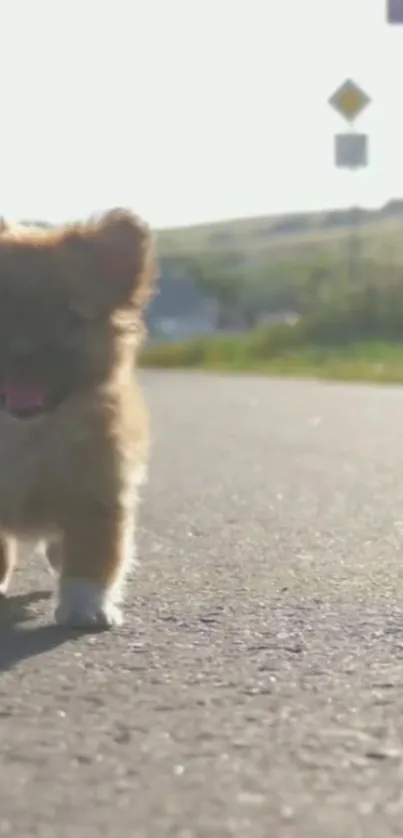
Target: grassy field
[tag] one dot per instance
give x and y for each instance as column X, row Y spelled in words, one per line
column 285, row 242
column 366, row 362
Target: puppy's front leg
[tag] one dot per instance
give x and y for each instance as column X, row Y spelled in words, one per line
column 97, row 551
column 54, row 555
column 8, row 556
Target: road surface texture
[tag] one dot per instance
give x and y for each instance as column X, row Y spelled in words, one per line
column 256, row 689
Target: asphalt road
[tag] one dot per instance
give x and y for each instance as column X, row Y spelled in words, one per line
column 256, row 689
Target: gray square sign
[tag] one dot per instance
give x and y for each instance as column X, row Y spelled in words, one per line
column 351, row 151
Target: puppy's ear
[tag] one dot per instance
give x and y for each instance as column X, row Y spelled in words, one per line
column 119, row 252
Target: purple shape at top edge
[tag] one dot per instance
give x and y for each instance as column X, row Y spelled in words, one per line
column 395, row 11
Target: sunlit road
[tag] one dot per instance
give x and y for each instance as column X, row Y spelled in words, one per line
column 256, row 689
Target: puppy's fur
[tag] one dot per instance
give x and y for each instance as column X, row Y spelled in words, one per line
column 73, row 427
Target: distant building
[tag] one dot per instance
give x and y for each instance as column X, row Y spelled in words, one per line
column 180, row 308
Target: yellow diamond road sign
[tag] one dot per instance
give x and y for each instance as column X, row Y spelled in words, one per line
column 349, row 100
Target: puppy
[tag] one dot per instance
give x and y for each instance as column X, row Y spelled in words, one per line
column 74, row 438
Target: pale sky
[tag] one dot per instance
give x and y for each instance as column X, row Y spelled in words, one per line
column 192, row 110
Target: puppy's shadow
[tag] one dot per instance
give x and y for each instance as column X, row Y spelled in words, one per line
column 17, row 609
column 18, row 644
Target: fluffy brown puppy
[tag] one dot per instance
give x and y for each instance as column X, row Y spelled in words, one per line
column 73, row 427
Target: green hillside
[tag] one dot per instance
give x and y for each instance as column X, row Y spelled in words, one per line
column 379, row 231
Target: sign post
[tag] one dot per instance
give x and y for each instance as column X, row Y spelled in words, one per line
column 351, row 151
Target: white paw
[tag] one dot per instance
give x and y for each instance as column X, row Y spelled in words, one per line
column 84, row 605
column 140, row 477
column 54, row 558
column 4, row 587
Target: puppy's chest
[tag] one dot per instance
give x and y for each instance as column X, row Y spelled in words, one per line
column 19, row 455
column 43, row 471
column 46, row 469
column 22, row 471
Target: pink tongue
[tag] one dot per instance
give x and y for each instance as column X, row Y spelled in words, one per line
column 24, row 396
